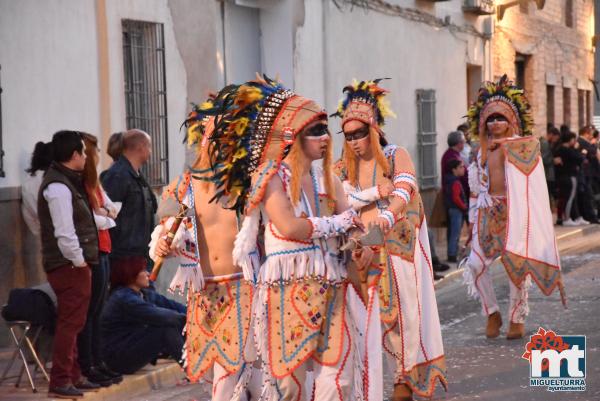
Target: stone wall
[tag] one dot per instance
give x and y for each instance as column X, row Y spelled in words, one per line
column 556, row 55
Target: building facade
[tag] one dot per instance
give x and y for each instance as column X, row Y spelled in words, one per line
column 103, row 66
column 550, row 52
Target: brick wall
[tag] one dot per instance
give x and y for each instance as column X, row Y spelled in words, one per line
column 557, row 55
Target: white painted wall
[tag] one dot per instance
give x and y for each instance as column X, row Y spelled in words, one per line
column 177, row 107
column 333, row 47
column 242, row 42
column 50, row 80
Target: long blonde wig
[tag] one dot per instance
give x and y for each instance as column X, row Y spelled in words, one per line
column 351, row 161
column 295, row 158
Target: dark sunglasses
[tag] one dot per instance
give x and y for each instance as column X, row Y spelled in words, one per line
column 357, row 134
column 317, row 130
column 496, row 118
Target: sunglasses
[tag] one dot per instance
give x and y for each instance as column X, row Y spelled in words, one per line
column 317, row 131
column 355, row 135
column 496, row 119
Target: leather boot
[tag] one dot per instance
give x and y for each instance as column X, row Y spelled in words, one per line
column 515, row 331
column 494, row 323
column 402, row 393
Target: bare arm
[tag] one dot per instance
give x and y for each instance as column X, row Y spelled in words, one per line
column 281, row 213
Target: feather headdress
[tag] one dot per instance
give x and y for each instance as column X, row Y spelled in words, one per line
column 261, row 125
column 364, row 101
column 505, row 98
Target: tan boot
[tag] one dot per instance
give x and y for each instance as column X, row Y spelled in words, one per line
column 515, row 331
column 494, row 323
column 402, row 393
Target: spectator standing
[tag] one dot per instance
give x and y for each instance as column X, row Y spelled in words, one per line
column 89, row 340
column 547, row 146
column 455, row 201
column 139, row 325
column 69, row 249
column 124, row 182
column 465, row 153
column 590, row 172
column 566, row 175
column 456, row 144
column 40, row 161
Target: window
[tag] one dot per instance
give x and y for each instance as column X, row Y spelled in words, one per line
column 550, row 104
column 567, row 106
column 146, row 92
column 588, row 107
column 2, row 174
column 520, row 68
column 581, row 108
column 569, row 13
column 426, row 138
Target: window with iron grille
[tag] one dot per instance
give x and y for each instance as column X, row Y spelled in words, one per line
column 426, row 138
column 146, row 92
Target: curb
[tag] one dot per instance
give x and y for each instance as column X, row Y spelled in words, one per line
column 561, row 241
column 164, row 374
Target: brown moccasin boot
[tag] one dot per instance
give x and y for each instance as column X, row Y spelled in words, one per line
column 402, row 393
column 515, row 331
column 494, row 323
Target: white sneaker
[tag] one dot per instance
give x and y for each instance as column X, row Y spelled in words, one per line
column 582, row 222
column 569, row 223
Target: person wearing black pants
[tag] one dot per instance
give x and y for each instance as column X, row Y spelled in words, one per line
column 590, row 170
column 139, row 325
column 566, row 173
column 104, row 211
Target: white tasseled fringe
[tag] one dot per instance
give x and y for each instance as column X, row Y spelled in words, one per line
column 239, row 393
column 484, row 200
column 358, row 364
column 187, row 275
column 305, row 264
column 244, row 252
column 468, row 278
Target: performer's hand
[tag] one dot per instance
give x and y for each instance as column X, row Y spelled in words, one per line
column 383, row 224
column 386, row 189
column 162, row 248
column 558, row 161
column 362, row 257
column 358, row 223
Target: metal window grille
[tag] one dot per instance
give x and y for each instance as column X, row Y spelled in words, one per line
column 2, row 174
column 426, row 138
column 146, row 92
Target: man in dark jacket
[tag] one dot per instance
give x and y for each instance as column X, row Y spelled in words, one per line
column 590, row 171
column 69, row 246
column 124, row 182
column 139, row 325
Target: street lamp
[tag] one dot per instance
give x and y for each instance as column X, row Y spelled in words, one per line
column 503, row 7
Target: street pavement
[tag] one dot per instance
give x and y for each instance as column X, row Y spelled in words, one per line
column 492, row 369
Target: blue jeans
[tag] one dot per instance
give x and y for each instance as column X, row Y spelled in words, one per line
column 455, row 223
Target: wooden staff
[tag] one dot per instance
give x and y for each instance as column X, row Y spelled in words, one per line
column 170, row 236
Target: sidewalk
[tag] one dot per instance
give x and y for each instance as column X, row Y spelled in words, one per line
column 167, row 374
